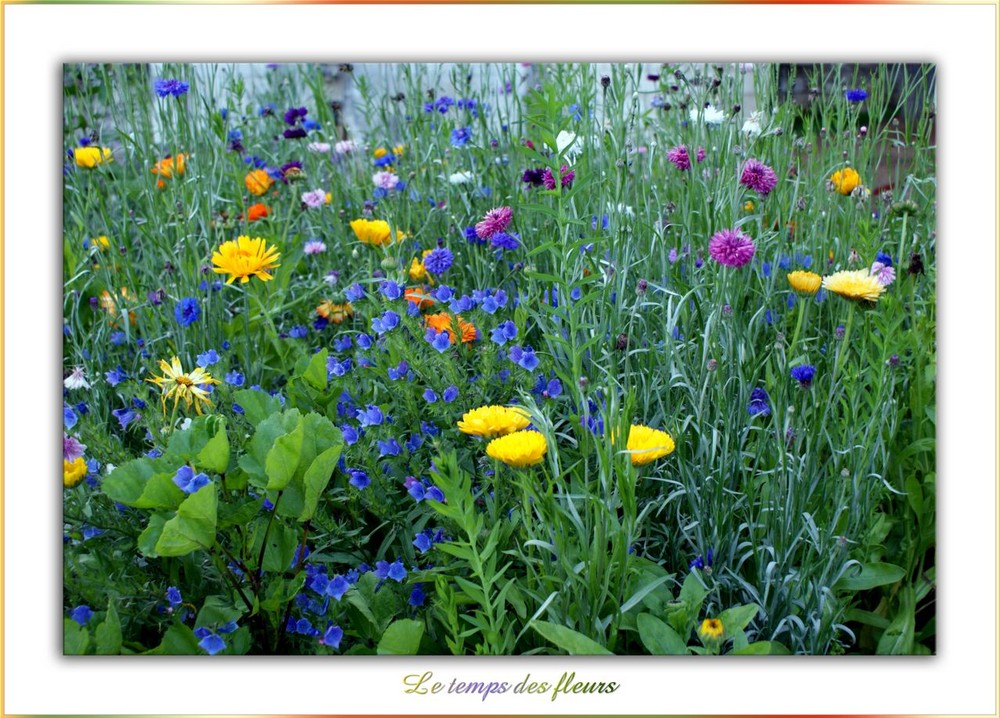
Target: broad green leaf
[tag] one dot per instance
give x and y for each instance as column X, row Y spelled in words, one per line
column 315, row 372
column 257, row 405
column 316, row 479
column 217, row 611
column 214, row 456
column 869, row 576
column 281, row 544
column 146, row 542
column 659, row 638
column 179, row 640
column 126, row 483
column 109, row 634
column 762, row 648
column 283, row 458
column 575, row 644
column 75, row 638
column 401, row 638
column 193, row 527
column 160, row 492
column 737, row 618
column 897, row 639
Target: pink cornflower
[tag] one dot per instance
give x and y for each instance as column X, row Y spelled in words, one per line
column 758, row 177
column 679, row 157
column 314, row 246
column 345, row 147
column 731, row 248
column 385, row 180
column 72, row 448
column 318, row 147
column 314, row 199
column 700, row 155
column 495, row 221
column 884, row 274
column 549, row 180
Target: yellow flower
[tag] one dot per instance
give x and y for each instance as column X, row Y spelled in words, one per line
column 417, row 270
column 808, row 282
column 90, row 157
column 74, row 471
column 169, row 166
column 258, row 182
column 648, row 444
column 380, row 152
column 857, row 284
column 245, row 258
column 748, row 206
column 518, row 450
column 328, row 199
column 182, row 386
column 493, row 421
column 398, row 150
column 374, row 232
column 711, row 629
column 335, row 313
column 844, row 181
column 101, row 242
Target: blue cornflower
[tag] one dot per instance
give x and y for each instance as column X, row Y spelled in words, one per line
column 503, row 240
column 439, row 260
column 354, row 292
column 450, row 394
column 187, row 312
column 702, row 563
column 803, row 374
column 337, row 587
column 472, row 237
column 504, row 333
column 188, row 481
column 332, row 636
column 884, row 259
column 759, row 403
column 417, row 596
column 125, row 416
column 118, row 338
column 429, row 396
column 207, row 359
column 460, row 136
column 235, row 378
column 81, row 614
column 856, row 95
column 165, row 88
column 116, row 376
column 359, row 479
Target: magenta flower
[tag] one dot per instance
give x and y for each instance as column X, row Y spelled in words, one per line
column 679, row 157
column 72, row 448
column 731, row 248
column 495, row 221
column 549, row 180
column 758, row 177
column 883, row 273
column 700, row 155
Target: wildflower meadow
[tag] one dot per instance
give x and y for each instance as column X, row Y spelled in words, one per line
column 499, row 359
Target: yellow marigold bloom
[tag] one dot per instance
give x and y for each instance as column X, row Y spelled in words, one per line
column 417, row 270
column 857, row 284
column 748, row 206
column 245, row 258
column 711, row 629
column 398, row 150
column 101, row 242
column 258, row 182
column 490, row 421
column 380, row 152
column 74, row 471
column 844, row 181
column 328, row 199
column 183, row 386
column 335, row 313
column 90, row 156
column 808, row 282
column 648, row 444
column 169, row 166
column 374, row 232
column 520, row 449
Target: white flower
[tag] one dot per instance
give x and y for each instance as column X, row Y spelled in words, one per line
column 318, row 147
column 460, row 178
column 712, row 115
column 344, row 147
column 77, row 380
column 568, row 140
column 314, row 199
column 751, row 128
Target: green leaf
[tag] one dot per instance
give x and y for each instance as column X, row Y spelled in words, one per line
column 575, row 644
column 897, row 639
column 869, row 576
column 659, row 638
column 126, row 483
column 401, row 638
column 316, row 479
column 194, row 525
column 179, row 640
column 762, row 648
column 257, row 405
column 146, row 542
column 109, row 634
column 737, row 618
column 160, row 492
column 75, row 638
column 315, row 372
column 283, row 458
column 281, row 544
column 217, row 611
column 214, row 456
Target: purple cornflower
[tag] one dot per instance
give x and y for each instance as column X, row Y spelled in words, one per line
column 187, row 312
column 533, row 177
column 72, row 448
column 504, row 241
column 439, row 260
column 495, row 221
column 565, row 173
column 856, row 95
column 731, row 248
column 759, row 403
column 165, row 88
column 679, row 157
column 803, row 374
column 758, row 177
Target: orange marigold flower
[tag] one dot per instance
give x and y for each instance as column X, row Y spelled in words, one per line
column 441, row 322
column 415, row 295
column 469, row 331
column 257, row 211
column 108, row 304
column 169, row 166
column 258, row 182
column 335, row 313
